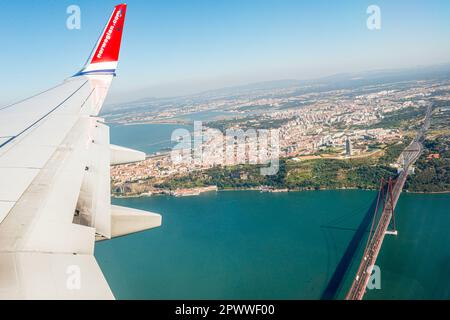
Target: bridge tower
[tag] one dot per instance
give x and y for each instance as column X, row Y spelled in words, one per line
column 385, row 202
column 389, row 205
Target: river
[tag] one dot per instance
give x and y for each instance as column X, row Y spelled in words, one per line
column 251, row 245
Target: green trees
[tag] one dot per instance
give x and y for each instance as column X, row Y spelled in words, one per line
column 432, row 174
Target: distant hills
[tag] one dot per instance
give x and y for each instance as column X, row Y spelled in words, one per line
column 328, row 83
column 347, row 80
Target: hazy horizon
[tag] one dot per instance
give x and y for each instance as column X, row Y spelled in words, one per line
column 155, row 92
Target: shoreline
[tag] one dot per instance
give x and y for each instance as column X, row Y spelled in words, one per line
column 169, row 193
column 162, row 122
column 422, row 192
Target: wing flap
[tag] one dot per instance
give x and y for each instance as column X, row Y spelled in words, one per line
column 122, row 155
column 127, row 220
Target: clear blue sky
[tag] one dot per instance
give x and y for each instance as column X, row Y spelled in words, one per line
column 178, row 46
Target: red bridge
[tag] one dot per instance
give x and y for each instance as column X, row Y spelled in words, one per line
column 387, row 200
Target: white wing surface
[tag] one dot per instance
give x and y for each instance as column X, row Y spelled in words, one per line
column 55, row 184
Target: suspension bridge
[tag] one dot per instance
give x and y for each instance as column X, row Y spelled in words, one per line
column 388, row 196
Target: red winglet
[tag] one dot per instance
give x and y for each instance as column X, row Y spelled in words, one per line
column 108, row 47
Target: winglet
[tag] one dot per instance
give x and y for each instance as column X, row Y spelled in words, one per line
column 105, row 56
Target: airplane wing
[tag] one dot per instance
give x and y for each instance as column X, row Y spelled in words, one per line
column 55, row 200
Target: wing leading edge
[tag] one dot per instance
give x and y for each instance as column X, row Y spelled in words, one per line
column 55, row 188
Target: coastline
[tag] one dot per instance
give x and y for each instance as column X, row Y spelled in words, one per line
column 180, row 122
column 194, row 192
column 170, row 193
column 422, row 192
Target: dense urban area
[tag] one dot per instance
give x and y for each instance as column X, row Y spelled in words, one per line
column 328, row 138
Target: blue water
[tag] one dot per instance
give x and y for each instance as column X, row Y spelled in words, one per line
column 233, row 245
column 149, row 138
column 416, row 263
column 250, row 245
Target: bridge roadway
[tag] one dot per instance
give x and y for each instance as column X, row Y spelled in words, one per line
column 410, row 155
